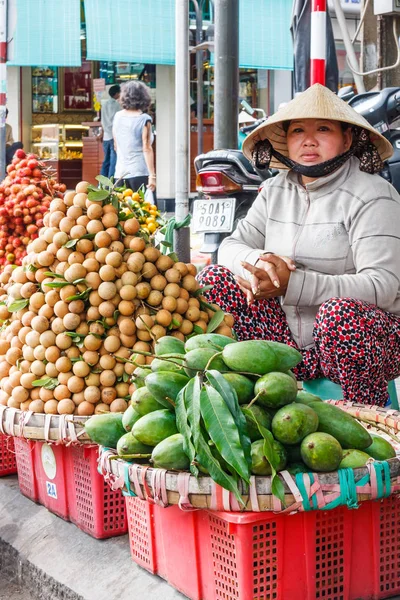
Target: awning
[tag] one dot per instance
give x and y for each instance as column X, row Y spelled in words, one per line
column 45, row 32
column 144, row 32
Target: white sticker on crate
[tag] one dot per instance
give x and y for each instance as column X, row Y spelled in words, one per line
column 49, row 461
column 51, row 489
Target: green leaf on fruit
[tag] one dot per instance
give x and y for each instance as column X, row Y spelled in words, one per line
column 104, row 181
column 198, row 330
column 71, row 244
column 98, row 195
column 49, row 383
column 57, row 284
column 216, row 321
column 201, row 291
column 51, row 274
column 18, row 305
column 81, row 296
column 30, row 268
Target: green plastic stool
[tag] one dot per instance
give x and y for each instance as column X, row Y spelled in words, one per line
column 326, row 390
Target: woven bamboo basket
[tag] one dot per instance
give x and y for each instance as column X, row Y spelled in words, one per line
column 60, row 429
column 305, row 491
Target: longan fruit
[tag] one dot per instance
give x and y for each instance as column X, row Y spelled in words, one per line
column 129, row 278
column 107, row 378
column 144, row 322
column 131, row 226
column 202, row 325
column 158, row 331
column 128, row 292
column 107, row 272
column 229, row 320
column 61, row 392
column 149, row 270
column 169, row 303
column 92, row 394
column 118, row 405
column 192, row 269
column 75, row 384
column 63, row 341
column 111, row 344
column 177, row 320
column 126, row 308
column 107, row 290
column 143, row 290
column 85, row 409
column 95, row 211
column 163, row 317
column 181, row 306
column 91, row 342
column 81, row 368
column 182, row 268
column 190, row 283
column 102, row 239
column 101, row 408
column 158, row 282
column 109, row 220
column 155, row 298
column 224, row 330
column 63, row 364
column 164, row 263
column 178, row 334
column 172, row 289
column 101, row 254
column 151, row 253
column 71, row 321
column 187, row 327
column 172, row 275
column 66, row 407
column 91, row 357
column 144, row 336
column 106, row 309
column 137, row 244
column 51, row 407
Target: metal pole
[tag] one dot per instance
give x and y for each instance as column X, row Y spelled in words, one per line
column 200, row 70
column 3, row 85
column 226, row 80
column 351, row 55
column 182, row 236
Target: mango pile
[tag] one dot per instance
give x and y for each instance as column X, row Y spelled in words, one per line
column 231, row 409
column 92, row 285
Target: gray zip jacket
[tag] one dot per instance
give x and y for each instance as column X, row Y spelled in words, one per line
column 342, row 231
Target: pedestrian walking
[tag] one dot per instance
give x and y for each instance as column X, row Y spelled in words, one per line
column 108, row 112
column 133, row 138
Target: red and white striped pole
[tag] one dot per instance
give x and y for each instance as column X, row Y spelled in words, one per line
column 318, row 42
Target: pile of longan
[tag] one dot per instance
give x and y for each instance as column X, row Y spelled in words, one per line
column 90, row 289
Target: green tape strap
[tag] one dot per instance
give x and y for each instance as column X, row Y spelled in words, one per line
column 127, row 481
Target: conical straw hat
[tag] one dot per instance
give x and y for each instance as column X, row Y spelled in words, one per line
column 317, row 102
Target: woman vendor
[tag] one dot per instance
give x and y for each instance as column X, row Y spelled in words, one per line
column 316, row 261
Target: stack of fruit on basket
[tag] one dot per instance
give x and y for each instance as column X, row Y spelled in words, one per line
column 25, row 196
column 92, row 286
column 231, row 409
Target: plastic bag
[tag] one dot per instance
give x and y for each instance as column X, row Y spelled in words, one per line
column 149, row 196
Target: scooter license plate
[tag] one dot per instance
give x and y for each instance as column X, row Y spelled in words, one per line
column 213, row 216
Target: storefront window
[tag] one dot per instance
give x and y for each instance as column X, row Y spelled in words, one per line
column 77, row 87
column 44, row 90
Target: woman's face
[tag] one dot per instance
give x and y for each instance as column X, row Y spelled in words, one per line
column 313, row 141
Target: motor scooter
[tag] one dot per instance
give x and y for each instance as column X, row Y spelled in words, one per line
column 227, row 184
column 381, row 109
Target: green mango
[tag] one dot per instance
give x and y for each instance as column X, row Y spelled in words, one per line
column 286, row 356
column 106, row 429
column 174, row 364
column 250, row 356
column 321, row 452
column 275, row 389
column 304, row 397
column 197, row 360
column 128, row 444
column 169, row 345
column 130, row 417
column 215, row 341
column 169, row 454
column 139, row 375
column 242, row 385
column 153, row 428
column 342, row 426
column 261, row 416
column 259, row 463
column 293, row 422
column 380, row 449
column 165, row 386
column 354, row 459
column 143, row 402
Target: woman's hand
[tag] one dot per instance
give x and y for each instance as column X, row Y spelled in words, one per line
column 270, row 277
column 152, row 183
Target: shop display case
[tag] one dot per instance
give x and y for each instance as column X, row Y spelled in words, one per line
column 44, row 90
column 61, row 146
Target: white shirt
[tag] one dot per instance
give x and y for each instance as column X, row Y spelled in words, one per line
column 108, row 112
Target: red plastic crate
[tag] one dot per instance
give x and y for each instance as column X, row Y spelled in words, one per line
column 94, row 507
column 8, row 464
column 65, row 480
column 332, row 555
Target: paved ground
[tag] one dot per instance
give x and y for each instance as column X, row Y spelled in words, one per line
column 53, row 560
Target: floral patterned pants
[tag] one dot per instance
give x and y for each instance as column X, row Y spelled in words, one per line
column 357, row 345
